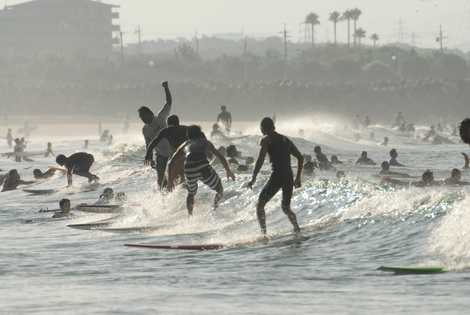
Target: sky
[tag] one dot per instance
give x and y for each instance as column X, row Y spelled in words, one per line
column 262, row 18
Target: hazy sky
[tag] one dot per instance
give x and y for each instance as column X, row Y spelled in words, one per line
column 182, row 18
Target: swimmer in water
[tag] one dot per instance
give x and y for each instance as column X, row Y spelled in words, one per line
column 65, row 209
column 12, row 180
column 455, row 179
column 323, row 163
column 78, row 164
column 365, row 160
column 197, row 167
column 386, row 171
column 393, row 158
column 279, row 148
column 335, row 160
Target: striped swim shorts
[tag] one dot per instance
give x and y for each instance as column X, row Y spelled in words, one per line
column 200, row 170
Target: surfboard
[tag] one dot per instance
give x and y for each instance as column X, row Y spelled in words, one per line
column 93, row 225
column 138, row 229
column 412, row 270
column 100, row 208
column 40, row 191
column 205, row 247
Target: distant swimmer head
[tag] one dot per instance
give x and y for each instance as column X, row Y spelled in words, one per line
column 385, row 166
column 393, row 153
column 215, row 127
column 60, row 159
column 173, row 120
column 108, row 194
column 428, row 177
column 64, row 205
column 340, row 174
column 456, row 174
column 195, row 132
column 146, row 115
column 364, row 154
column 465, row 131
column 37, row 173
column 334, row 159
column 307, row 158
column 13, row 175
column 317, row 149
column 267, row 125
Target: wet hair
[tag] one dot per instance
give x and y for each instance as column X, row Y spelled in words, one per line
column 267, row 124
column 194, row 132
column 60, row 159
column 465, row 130
column 223, row 107
column 385, row 165
column 37, row 173
column 428, row 175
column 63, row 203
column 13, row 173
column 393, row 152
column 146, row 114
column 173, row 120
column 456, row 172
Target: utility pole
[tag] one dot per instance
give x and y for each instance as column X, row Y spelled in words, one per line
column 441, row 39
column 400, row 31
column 121, row 36
column 285, row 36
column 245, row 46
column 139, row 37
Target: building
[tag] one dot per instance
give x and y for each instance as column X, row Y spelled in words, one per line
column 59, row 27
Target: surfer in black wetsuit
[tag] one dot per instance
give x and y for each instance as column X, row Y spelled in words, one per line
column 175, row 134
column 77, row 164
column 225, row 118
column 153, row 125
column 279, row 148
column 12, row 180
column 393, row 158
column 197, row 167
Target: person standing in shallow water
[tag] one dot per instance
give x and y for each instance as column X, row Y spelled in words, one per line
column 225, row 117
column 279, row 148
column 153, row 125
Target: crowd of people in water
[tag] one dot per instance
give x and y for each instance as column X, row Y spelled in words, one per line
column 182, row 154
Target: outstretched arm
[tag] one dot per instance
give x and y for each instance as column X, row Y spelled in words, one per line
column 259, row 162
column 223, row 160
column 165, row 111
column 300, row 165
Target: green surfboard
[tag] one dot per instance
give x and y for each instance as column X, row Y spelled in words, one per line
column 412, row 270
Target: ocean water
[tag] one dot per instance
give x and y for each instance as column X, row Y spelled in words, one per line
column 350, row 228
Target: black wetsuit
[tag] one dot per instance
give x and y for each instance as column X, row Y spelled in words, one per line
column 175, row 135
column 279, row 151
column 79, row 163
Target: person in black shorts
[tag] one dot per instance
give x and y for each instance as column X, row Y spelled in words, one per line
column 175, row 134
column 77, row 164
column 279, row 148
column 197, row 167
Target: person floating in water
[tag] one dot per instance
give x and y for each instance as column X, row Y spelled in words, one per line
column 153, row 125
column 197, row 167
column 335, row 160
column 77, row 164
column 365, row 160
column 106, row 197
column 9, row 138
column 455, row 179
column 12, row 180
column 65, row 210
column 323, row 163
column 38, row 174
column 225, row 118
column 175, row 134
column 279, row 148
column 427, row 180
column 49, row 150
column 385, row 171
column 393, row 158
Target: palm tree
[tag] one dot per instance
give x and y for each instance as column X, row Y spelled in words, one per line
column 347, row 15
column 355, row 15
column 359, row 34
column 312, row 19
column 375, row 38
column 335, row 17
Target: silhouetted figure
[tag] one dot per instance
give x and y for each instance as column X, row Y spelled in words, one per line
column 77, row 164
column 225, row 118
column 365, row 160
column 12, row 180
column 393, row 158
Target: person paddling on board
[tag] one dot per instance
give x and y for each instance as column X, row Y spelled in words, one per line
column 12, row 180
column 77, row 164
column 65, row 209
column 153, row 125
column 175, row 134
column 197, row 167
column 279, row 148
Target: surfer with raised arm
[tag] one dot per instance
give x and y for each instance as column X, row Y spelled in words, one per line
column 153, row 125
column 175, row 134
column 279, row 148
column 77, row 164
column 197, row 167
